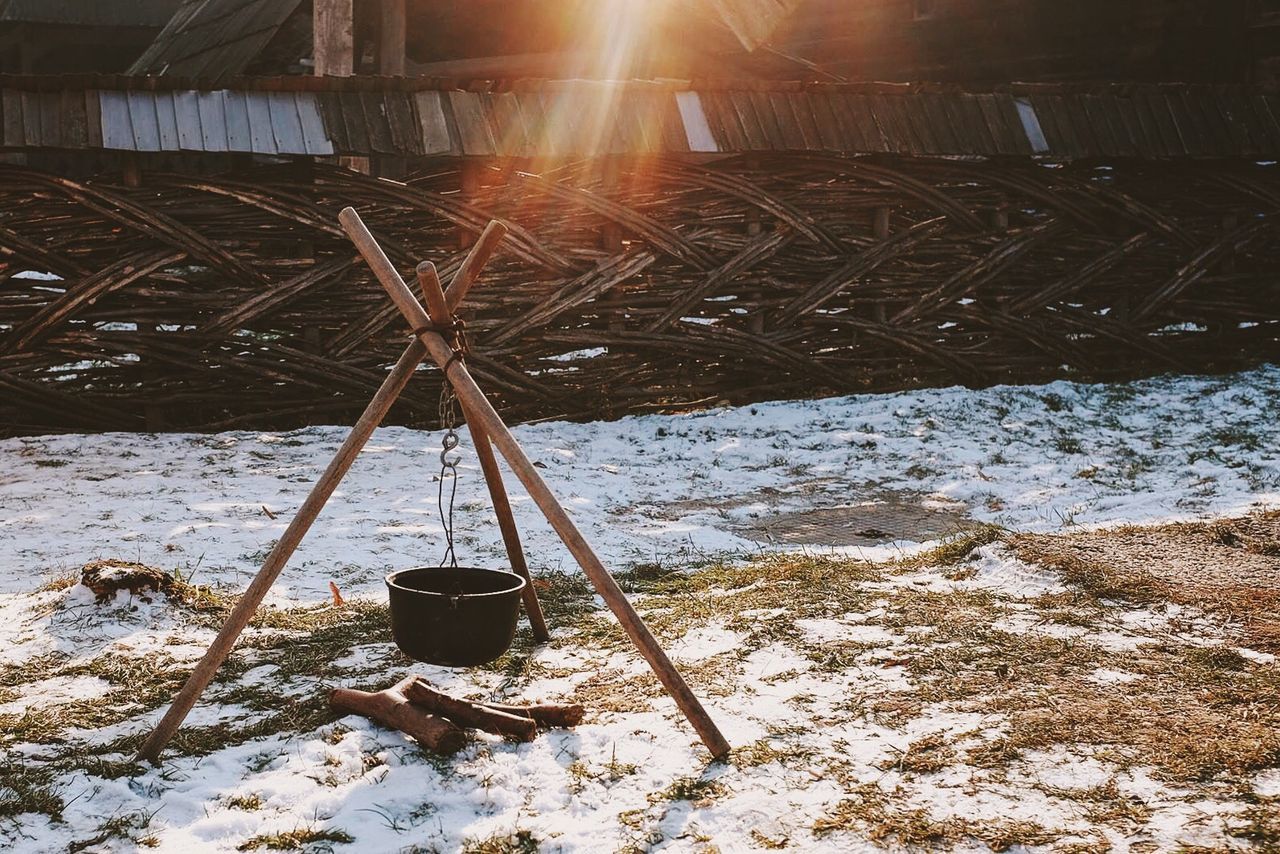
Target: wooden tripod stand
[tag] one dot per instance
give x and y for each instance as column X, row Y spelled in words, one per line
column 486, row 428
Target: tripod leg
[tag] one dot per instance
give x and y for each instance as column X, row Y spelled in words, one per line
column 248, row 604
column 429, row 282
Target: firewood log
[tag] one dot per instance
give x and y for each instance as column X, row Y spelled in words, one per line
column 543, row 714
column 392, row 709
column 469, row 714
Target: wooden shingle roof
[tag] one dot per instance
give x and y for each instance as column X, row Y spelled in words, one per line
column 555, row 119
column 214, row 40
column 90, row 13
column 753, row 21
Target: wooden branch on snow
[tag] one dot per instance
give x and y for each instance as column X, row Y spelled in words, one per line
column 392, row 709
column 436, row 719
column 469, row 714
column 519, row 722
column 545, row 715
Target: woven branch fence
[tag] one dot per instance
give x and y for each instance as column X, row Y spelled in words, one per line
column 625, row 286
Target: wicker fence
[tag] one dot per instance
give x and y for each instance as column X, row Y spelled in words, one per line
column 626, row 286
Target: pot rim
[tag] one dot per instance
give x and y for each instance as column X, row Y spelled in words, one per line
column 519, row 586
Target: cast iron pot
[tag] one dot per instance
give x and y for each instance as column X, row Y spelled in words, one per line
column 457, row 616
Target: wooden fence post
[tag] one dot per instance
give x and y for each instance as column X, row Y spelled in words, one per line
column 391, row 38
column 470, row 176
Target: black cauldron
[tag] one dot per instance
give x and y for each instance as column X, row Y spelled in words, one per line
column 458, row 616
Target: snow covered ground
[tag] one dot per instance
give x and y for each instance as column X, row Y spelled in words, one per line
column 1030, row 458
column 672, row 491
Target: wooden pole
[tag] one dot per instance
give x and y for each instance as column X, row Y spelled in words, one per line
column 333, row 49
column 471, row 396
column 880, row 225
column 333, row 52
column 391, row 38
column 284, row 548
column 391, row 63
column 475, row 261
column 442, row 313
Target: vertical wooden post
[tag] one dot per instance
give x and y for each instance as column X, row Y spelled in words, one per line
column 880, row 223
column 333, row 38
column 391, row 63
column 1230, row 222
column 391, row 38
column 152, row 412
column 311, row 338
column 755, row 321
column 132, row 171
column 151, row 375
column 333, row 51
column 469, row 172
column 610, row 232
column 611, row 241
column 999, row 223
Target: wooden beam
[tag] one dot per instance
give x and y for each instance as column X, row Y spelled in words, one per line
column 391, row 38
column 333, row 38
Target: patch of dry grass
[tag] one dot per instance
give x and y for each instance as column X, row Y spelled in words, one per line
column 1192, row 715
column 617, row 691
column 1106, row 571
column 1104, row 804
column 516, row 842
column 956, row 548
column 870, row 812
column 1197, row 715
column 301, row 839
column 26, row 787
column 1259, row 824
column 927, row 755
column 300, row 642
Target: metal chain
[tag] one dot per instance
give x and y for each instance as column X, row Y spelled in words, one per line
column 448, row 412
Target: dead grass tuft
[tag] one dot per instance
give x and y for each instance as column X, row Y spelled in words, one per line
column 1104, row 804
column 764, row 752
column 248, row 803
column 27, row 788
column 518, row 842
column 1259, row 824
column 296, row 840
column 957, row 548
column 924, row 756
column 700, row 792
